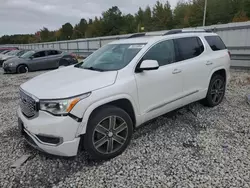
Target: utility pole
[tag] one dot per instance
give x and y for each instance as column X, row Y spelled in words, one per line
column 205, row 13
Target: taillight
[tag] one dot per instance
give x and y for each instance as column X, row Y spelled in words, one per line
column 73, row 55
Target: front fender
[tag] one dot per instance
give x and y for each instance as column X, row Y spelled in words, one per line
column 83, row 125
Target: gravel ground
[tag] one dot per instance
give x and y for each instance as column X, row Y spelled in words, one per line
column 192, row 147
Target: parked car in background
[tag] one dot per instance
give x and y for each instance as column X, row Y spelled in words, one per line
column 8, row 48
column 4, row 52
column 11, row 54
column 39, row 60
column 98, row 103
column 16, row 52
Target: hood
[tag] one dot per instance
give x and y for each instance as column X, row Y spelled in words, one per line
column 68, row 82
column 15, row 60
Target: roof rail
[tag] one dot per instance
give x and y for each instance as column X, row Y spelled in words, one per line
column 178, row 31
column 136, row 35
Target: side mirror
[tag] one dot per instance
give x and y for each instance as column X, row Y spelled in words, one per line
column 31, row 57
column 147, row 65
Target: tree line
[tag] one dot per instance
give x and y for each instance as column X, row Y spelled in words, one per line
column 160, row 17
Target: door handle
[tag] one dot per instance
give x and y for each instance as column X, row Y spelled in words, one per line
column 209, row 63
column 176, row 71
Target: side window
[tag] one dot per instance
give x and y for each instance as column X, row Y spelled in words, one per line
column 39, row 54
column 215, row 43
column 52, row 52
column 188, row 48
column 163, row 52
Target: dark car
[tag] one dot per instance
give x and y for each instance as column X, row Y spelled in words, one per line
column 39, row 60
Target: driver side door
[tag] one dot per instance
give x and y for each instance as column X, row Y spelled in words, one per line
column 160, row 91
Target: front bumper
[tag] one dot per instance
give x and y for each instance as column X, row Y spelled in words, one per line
column 65, row 128
column 8, row 69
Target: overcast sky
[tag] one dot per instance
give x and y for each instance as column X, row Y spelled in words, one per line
column 28, row 16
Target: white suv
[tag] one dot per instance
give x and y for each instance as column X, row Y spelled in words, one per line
column 98, row 103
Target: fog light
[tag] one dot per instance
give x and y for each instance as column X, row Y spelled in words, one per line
column 49, row 139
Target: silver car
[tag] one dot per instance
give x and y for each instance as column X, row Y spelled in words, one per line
column 39, row 60
column 11, row 54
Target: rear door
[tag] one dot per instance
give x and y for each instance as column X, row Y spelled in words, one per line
column 37, row 61
column 220, row 53
column 53, row 58
column 193, row 59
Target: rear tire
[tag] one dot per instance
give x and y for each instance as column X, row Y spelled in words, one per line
column 22, row 69
column 216, row 91
column 108, row 134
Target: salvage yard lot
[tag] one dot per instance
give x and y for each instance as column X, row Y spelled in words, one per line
column 193, row 147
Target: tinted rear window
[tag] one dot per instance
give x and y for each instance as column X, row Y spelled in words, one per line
column 53, row 52
column 188, row 48
column 215, row 43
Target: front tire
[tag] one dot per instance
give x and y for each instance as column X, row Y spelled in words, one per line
column 216, row 91
column 108, row 134
column 22, row 69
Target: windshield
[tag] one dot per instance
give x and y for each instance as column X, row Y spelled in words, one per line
column 27, row 54
column 111, row 57
column 20, row 53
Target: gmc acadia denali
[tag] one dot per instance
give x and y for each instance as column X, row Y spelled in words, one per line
column 99, row 102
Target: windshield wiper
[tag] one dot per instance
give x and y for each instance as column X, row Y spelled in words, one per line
column 94, row 69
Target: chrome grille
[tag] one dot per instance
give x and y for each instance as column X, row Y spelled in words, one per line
column 28, row 105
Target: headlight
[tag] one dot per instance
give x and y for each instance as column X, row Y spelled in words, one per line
column 63, row 106
column 10, row 64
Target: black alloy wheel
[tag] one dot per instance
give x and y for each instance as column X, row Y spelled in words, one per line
column 216, row 91
column 108, row 134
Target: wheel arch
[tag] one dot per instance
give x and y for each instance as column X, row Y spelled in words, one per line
column 208, row 101
column 124, row 102
column 219, row 70
column 21, row 65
